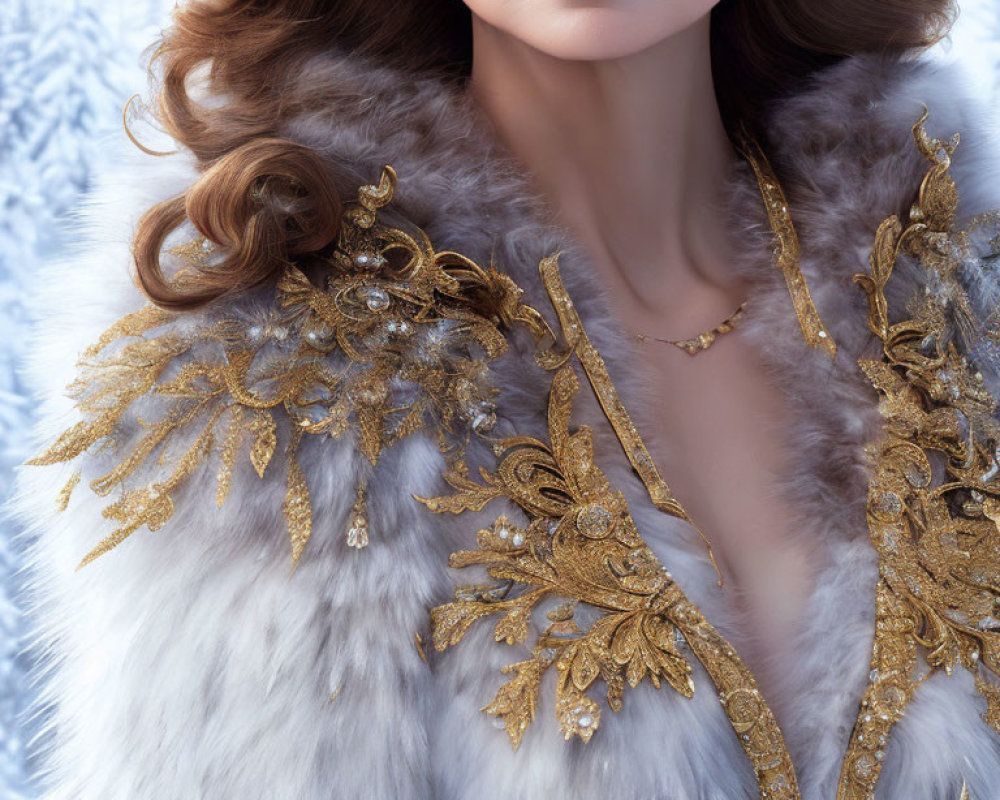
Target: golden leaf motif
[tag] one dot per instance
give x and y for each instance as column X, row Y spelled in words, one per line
column 62, row 501
column 264, row 431
column 230, row 446
column 515, row 700
column 297, row 508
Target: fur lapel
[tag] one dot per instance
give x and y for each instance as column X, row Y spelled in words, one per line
column 220, row 694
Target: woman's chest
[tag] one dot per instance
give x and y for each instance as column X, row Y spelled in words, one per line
column 725, row 436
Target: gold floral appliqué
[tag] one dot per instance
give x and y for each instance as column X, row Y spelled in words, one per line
column 581, row 547
column 397, row 337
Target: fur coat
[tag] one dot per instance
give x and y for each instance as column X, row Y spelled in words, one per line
column 190, row 662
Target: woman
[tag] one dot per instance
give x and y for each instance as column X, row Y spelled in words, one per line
column 415, row 273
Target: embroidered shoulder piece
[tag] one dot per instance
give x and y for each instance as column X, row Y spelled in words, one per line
column 934, row 498
column 397, row 338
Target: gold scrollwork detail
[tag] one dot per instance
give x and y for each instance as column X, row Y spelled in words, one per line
column 934, row 496
column 579, row 546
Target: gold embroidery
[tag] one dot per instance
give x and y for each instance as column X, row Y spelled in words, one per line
column 578, row 343
column 786, row 247
column 398, row 335
column 934, row 498
column 580, row 545
column 62, row 501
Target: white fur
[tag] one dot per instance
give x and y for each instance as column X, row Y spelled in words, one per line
column 189, row 664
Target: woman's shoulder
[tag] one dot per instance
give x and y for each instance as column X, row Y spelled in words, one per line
column 384, row 340
column 888, row 162
column 845, row 135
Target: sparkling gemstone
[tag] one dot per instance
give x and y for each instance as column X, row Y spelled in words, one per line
column 916, row 474
column 503, row 532
column 585, row 721
column 484, row 417
column 370, row 394
column 893, row 697
column 376, row 298
column 594, row 520
column 368, row 260
column 357, row 535
column 886, row 505
column 398, row 327
column 864, row 766
column 517, row 539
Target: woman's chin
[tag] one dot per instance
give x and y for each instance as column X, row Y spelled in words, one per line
column 594, row 32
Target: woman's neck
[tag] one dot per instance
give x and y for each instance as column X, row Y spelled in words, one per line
column 632, row 154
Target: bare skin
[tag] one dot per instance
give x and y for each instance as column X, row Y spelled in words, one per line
column 639, row 184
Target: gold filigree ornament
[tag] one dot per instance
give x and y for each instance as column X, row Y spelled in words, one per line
column 934, row 498
column 580, row 548
column 399, row 337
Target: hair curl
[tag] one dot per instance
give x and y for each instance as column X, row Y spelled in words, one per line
column 266, row 200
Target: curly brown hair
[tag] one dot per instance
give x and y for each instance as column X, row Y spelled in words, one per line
column 266, row 200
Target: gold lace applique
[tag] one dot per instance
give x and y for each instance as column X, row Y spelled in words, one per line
column 934, row 498
column 580, row 546
column 399, row 337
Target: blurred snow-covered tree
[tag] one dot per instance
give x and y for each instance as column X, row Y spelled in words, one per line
column 66, row 69
column 975, row 43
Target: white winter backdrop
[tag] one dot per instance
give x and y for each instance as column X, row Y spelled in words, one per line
column 66, row 69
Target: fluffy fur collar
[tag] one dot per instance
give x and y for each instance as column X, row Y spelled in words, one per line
column 187, row 663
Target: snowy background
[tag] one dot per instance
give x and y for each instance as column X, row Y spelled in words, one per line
column 66, row 69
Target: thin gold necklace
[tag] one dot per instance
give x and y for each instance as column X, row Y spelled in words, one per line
column 786, row 256
column 703, row 340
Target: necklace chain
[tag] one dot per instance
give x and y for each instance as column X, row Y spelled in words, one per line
column 703, row 340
